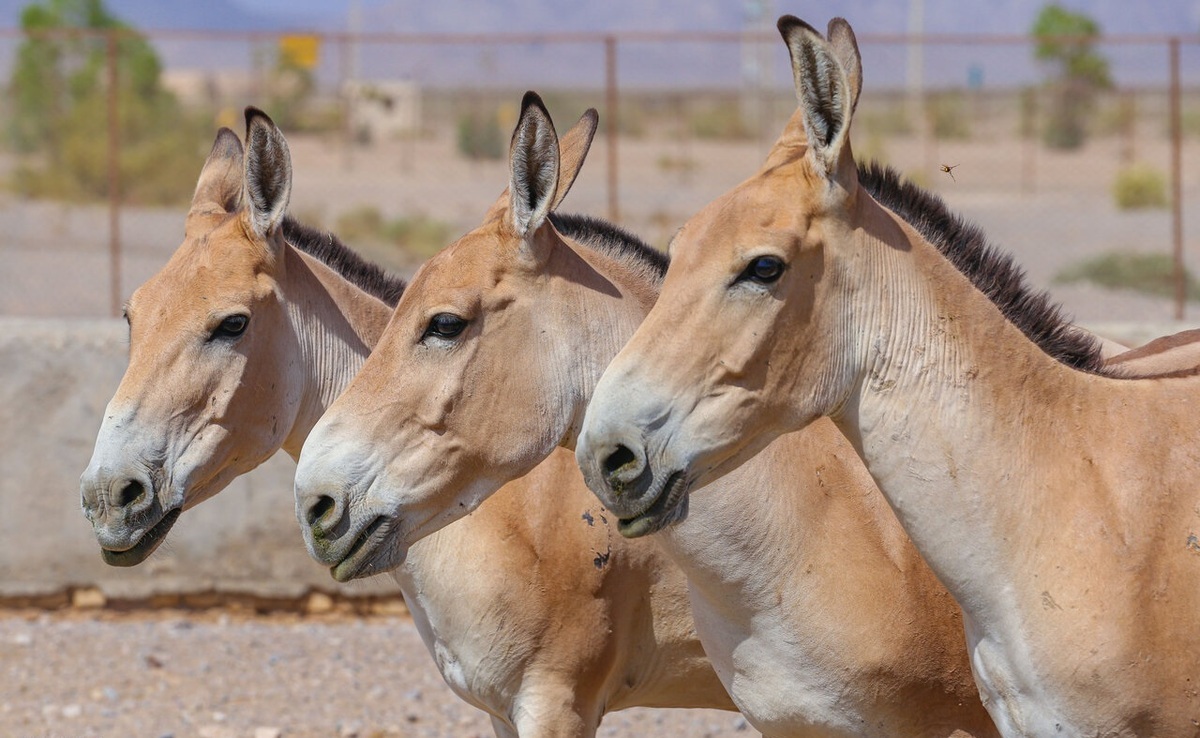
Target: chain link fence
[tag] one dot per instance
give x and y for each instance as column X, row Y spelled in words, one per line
column 399, row 144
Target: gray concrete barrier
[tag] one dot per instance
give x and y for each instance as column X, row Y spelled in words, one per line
column 57, row 376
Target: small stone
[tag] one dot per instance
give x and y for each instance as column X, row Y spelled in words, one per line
column 218, row 717
column 392, row 607
column 318, row 603
column 348, row 730
column 268, row 732
column 23, row 639
column 741, row 725
column 88, row 598
column 72, row 711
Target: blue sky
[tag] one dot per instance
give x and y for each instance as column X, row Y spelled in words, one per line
column 968, row 16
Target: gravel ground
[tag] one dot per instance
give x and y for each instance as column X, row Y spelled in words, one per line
column 220, row 675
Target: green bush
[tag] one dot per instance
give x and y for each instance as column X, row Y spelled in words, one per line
column 1140, row 186
column 720, row 120
column 947, row 117
column 892, row 121
column 417, row 236
column 672, row 163
column 360, row 224
column 480, row 137
column 1152, row 274
column 59, row 113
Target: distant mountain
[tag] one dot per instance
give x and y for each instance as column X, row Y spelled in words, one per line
column 482, row 16
column 677, row 65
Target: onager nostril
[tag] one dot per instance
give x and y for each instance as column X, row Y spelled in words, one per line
column 131, row 493
column 319, row 509
column 620, row 457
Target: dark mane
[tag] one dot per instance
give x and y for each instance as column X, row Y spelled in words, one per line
column 614, row 241
column 992, row 271
column 372, row 278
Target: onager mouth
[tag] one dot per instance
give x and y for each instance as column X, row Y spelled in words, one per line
column 139, row 551
column 669, row 507
column 358, row 559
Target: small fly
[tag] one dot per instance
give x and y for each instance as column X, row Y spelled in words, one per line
column 949, row 169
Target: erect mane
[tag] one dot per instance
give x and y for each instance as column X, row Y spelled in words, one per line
column 613, row 241
column 991, row 270
column 371, row 278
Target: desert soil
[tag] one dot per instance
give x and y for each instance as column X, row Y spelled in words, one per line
column 216, row 674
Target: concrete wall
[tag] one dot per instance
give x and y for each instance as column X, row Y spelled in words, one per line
column 57, row 377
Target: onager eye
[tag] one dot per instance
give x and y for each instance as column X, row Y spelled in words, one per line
column 764, row 270
column 445, row 325
column 231, row 327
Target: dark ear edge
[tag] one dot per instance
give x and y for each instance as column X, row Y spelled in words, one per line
column 268, row 172
column 573, row 149
column 220, row 181
column 845, row 48
column 534, row 166
column 821, row 89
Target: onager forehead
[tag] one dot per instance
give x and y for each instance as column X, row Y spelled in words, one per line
column 476, row 261
column 739, row 219
column 215, row 267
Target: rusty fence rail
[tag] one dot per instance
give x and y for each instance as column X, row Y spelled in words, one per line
column 685, row 114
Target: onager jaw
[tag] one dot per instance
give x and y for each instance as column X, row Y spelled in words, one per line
column 618, row 469
column 373, row 551
column 668, row 507
column 145, row 545
column 352, row 543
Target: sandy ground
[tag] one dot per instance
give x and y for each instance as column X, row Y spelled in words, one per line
column 219, row 675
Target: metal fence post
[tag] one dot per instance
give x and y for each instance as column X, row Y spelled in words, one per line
column 114, row 177
column 1177, row 179
column 611, row 128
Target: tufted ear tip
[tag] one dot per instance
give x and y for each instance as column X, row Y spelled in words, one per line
column 252, row 114
column 790, row 24
column 268, row 172
column 534, row 100
column 226, row 146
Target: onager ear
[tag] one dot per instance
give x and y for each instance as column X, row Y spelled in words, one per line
column 533, row 157
column 845, row 48
column 573, row 149
column 219, row 188
column 822, row 89
column 268, row 173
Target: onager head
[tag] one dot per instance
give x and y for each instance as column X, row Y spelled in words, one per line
column 211, row 390
column 471, row 384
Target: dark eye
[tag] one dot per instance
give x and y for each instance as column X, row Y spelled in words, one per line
column 764, row 270
column 445, row 325
column 232, row 327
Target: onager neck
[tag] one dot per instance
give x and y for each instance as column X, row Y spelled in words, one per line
column 336, row 325
column 952, row 397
